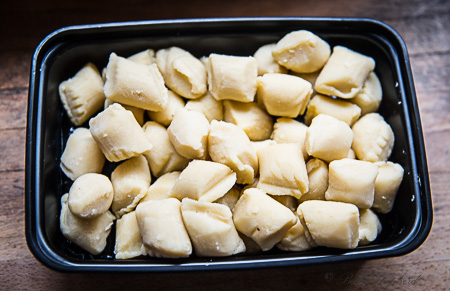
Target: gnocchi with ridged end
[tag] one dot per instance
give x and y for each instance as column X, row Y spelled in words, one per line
column 81, row 155
column 82, row 95
column 90, row 195
column 228, row 144
column 203, row 181
column 211, row 229
column 262, row 218
column 301, row 51
column 129, row 242
column 373, row 138
column 135, row 84
column 331, row 224
column 162, row 229
column 89, row 234
column 344, row 73
column 118, row 134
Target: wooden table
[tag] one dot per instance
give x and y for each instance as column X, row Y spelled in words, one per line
column 425, row 27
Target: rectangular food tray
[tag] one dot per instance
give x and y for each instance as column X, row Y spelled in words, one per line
column 63, row 52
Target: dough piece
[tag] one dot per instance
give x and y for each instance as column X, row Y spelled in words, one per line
column 166, row 115
column 81, row 155
column 388, row 181
column 254, row 120
column 352, row 181
column 328, row 138
column 318, row 180
column 82, row 95
column 188, row 133
column 288, row 130
column 137, row 112
column 228, row 144
column 331, row 224
column 258, row 145
column 130, row 180
column 282, row 170
column 232, row 77
column 340, row 109
column 146, row 57
column 266, row 62
column 295, row 239
column 118, row 134
column 162, row 187
column 302, row 51
column 210, row 107
column 369, row 98
column 262, row 218
column 373, row 138
column 162, row 228
column 135, row 84
column 129, row 242
column 231, row 197
column 369, row 227
column 90, row 195
column 182, row 72
column 211, row 229
column 345, row 73
column 163, row 158
column 89, row 234
column 283, row 95
column 204, row 181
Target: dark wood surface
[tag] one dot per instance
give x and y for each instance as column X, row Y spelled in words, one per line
column 425, row 27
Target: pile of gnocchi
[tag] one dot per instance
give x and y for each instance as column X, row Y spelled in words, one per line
column 210, row 158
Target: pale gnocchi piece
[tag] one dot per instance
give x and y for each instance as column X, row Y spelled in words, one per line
column 228, row 144
column 388, row 181
column 162, row 229
column 369, row 227
column 373, row 138
column 288, row 130
column 82, row 95
column 258, row 145
column 90, row 195
column 262, row 218
column 231, row 197
column 266, row 62
column 331, row 224
column 352, row 181
column 137, row 112
column 118, row 134
column 344, row 73
column 206, row 104
column 282, row 94
column 295, row 239
column 188, row 133
column 129, row 242
column 135, row 84
column 89, row 234
column 182, row 72
column 211, row 229
column 130, row 180
column 81, row 155
column 163, row 158
column 232, row 77
column 282, row 170
column 328, row 138
column 166, row 115
column 204, row 181
column 302, row 51
column 162, row 187
column 340, row 109
column 318, row 180
column 254, row 120
column 369, row 98
column 146, row 57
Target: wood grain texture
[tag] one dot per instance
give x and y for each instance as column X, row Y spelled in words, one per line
column 425, row 27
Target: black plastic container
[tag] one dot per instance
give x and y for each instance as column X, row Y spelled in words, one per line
column 65, row 51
